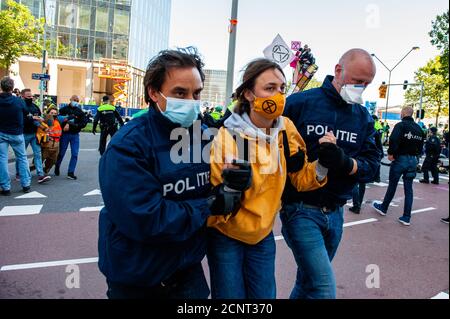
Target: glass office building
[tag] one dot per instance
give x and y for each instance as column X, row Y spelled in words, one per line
column 132, row 30
column 83, row 32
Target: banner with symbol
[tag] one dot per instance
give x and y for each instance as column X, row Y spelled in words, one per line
column 280, row 52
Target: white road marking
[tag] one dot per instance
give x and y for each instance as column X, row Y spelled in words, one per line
column 89, row 150
column 429, row 209
column 31, row 195
column 95, row 192
column 20, row 210
column 361, row 222
column 92, row 209
column 442, row 295
column 380, row 184
column 50, row 264
column 445, row 178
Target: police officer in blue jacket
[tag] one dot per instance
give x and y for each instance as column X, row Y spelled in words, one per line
column 157, row 194
column 313, row 221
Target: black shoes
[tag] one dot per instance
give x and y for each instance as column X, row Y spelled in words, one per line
column 424, row 181
column 71, row 176
column 435, row 182
column 26, row 189
column 355, row 210
column 444, row 220
column 5, row 192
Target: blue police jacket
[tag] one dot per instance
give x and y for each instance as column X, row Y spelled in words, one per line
column 317, row 111
column 154, row 220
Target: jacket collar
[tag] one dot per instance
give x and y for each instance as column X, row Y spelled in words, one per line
column 332, row 93
column 408, row 119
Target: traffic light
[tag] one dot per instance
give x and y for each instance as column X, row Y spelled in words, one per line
column 383, row 90
column 405, row 85
column 420, row 114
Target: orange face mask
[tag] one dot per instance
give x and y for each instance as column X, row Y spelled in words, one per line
column 270, row 107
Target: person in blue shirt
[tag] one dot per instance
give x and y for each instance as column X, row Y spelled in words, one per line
column 313, row 221
column 152, row 231
column 12, row 113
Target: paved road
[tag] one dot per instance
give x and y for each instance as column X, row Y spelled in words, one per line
column 41, row 236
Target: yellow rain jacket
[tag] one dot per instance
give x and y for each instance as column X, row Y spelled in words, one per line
column 261, row 203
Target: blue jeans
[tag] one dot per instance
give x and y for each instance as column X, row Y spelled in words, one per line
column 17, row 143
column 314, row 238
column 358, row 194
column 30, row 139
column 74, row 141
column 239, row 270
column 405, row 166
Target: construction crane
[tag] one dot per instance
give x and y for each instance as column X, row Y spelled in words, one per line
column 119, row 72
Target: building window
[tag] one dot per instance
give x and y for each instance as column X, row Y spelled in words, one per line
column 121, row 21
column 67, row 16
column 100, row 49
column 120, row 48
column 82, row 47
column 102, row 19
column 64, row 47
column 84, row 17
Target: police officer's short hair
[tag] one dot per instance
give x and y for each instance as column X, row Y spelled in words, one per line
column 105, row 99
column 433, row 130
column 159, row 66
column 7, row 84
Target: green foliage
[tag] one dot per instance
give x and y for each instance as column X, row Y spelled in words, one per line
column 18, row 32
column 439, row 38
column 436, row 91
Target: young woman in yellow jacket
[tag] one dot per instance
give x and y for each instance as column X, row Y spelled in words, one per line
column 241, row 246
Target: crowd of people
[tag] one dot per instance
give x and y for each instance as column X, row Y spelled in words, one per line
column 22, row 123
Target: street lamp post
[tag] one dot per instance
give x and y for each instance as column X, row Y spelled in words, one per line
column 44, row 59
column 390, row 77
column 231, row 51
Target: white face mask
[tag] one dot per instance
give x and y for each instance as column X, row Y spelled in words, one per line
column 352, row 93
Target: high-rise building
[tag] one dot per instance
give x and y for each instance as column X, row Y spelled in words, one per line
column 215, row 87
column 83, row 32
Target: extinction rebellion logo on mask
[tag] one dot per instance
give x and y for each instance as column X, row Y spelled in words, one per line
column 269, row 106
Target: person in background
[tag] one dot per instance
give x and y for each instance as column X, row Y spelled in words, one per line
column 108, row 117
column 405, row 144
column 77, row 120
column 12, row 113
column 32, row 121
column 432, row 154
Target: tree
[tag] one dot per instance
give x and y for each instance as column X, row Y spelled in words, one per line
column 439, row 38
column 436, row 91
column 18, row 32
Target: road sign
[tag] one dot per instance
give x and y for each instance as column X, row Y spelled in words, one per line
column 40, row 77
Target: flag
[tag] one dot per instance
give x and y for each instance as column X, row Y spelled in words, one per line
column 279, row 52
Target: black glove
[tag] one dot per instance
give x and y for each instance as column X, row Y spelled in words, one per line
column 238, row 179
column 94, row 132
column 295, row 162
column 223, row 202
column 334, row 158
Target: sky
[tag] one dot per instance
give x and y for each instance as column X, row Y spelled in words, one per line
column 388, row 28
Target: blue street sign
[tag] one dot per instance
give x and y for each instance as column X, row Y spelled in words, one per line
column 40, row 77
